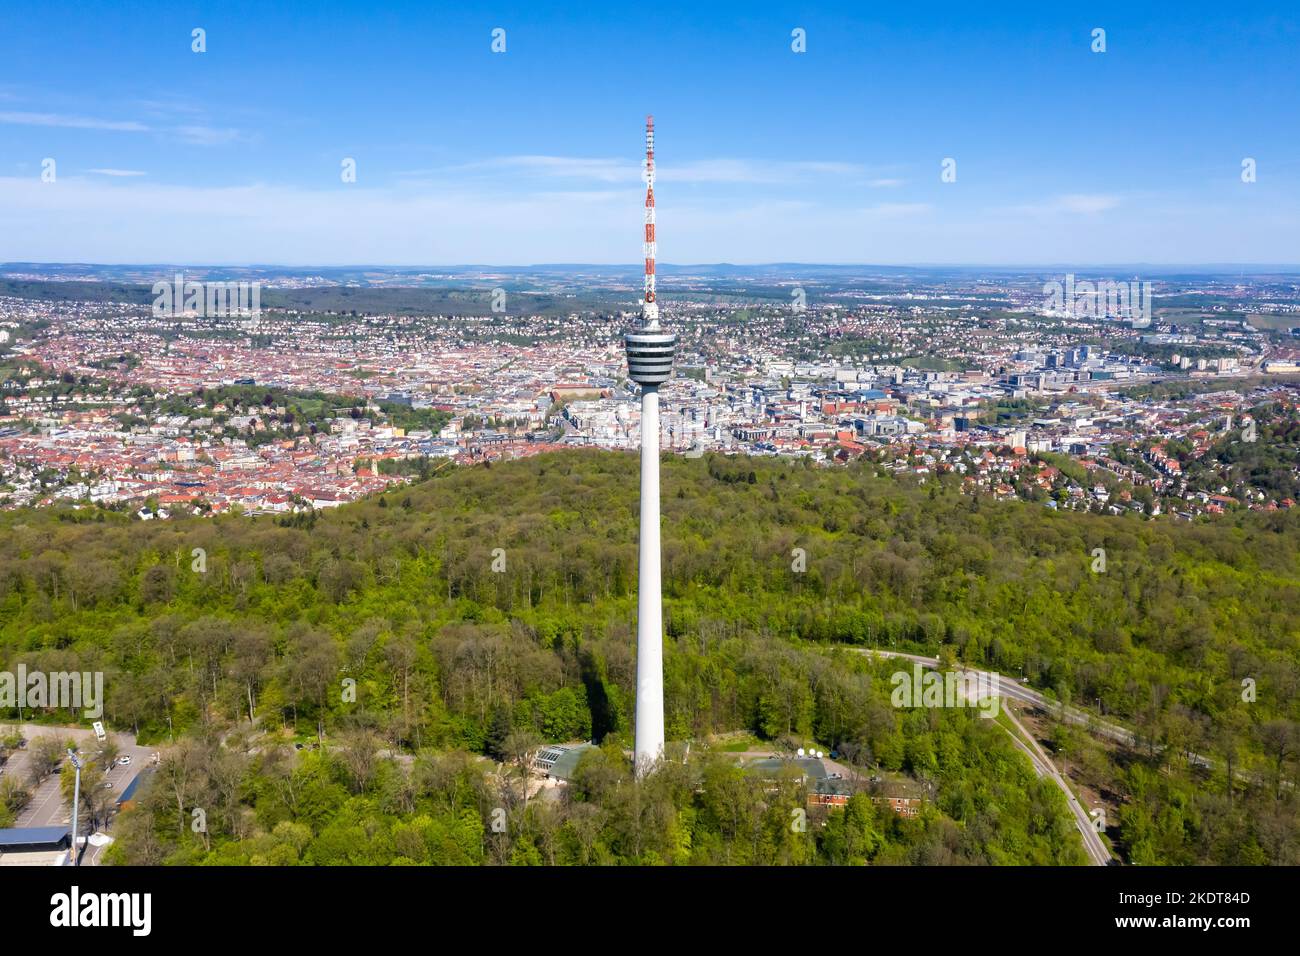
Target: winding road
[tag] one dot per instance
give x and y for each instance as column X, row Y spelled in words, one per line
column 1098, row 853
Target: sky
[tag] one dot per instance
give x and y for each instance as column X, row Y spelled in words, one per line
column 1062, row 155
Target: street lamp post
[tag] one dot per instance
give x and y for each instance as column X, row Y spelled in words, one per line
column 76, row 802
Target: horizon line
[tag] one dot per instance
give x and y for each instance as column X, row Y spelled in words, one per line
column 634, row 265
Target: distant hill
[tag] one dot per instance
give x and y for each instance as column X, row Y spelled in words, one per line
column 369, row 300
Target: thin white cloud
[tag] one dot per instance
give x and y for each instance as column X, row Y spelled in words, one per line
column 117, row 172
column 1085, row 204
column 898, row 210
column 208, row 135
column 168, row 106
column 756, row 171
column 885, row 183
column 584, row 195
column 559, row 167
column 190, row 133
column 748, row 171
column 1088, row 204
column 90, row 219
column 71, row 122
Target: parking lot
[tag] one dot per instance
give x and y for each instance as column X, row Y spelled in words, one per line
column 47, row 806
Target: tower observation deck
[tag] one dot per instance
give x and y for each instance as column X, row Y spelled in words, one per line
column 650, row 355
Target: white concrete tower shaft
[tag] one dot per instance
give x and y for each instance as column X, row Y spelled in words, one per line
column 649, row 606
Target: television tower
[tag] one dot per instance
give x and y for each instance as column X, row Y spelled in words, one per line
column 649, row 364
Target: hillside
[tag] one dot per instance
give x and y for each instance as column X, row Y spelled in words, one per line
column 399, row 594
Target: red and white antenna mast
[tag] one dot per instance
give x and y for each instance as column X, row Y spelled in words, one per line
column 651, row 310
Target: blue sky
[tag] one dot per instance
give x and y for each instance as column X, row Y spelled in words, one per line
column 1063, row 155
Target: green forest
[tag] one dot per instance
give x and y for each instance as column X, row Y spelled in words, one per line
column 365, row 685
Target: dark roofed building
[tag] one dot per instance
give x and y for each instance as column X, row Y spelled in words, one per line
column 831, row 789
column 809, row 767
column 829, row 792
column 824, row 788
column 34, row 839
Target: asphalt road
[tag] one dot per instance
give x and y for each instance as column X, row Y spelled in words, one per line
column 47, row 807
column 1012, row 688
column 1093, row 845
